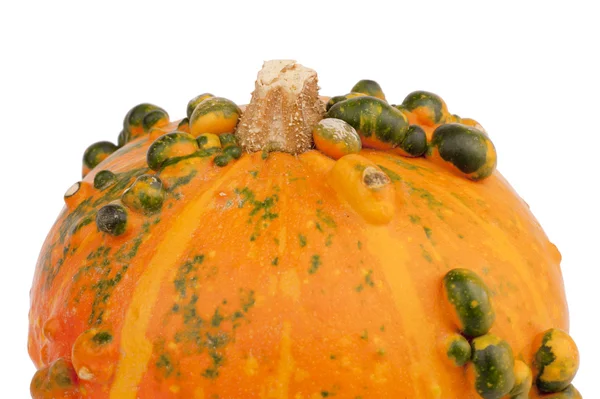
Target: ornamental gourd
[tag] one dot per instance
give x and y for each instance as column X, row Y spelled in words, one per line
column 224, row 256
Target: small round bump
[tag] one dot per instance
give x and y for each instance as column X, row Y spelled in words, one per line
column 491, row 369
column 94, row 354
column 336, row 138
column 170, row 148
column 112, row 219
column 365, row 187
column 77, row 193
column 146, row 195
column 370, row 88
column 227, row 139
column 104, row 179
column 95, row 154
column 58, row 380
column 464, row 150
column 233, row 151
column 135, row 123
column 193, row 103
column 457, row 349
column 414, row 143
column 555, row 361
column 208, row 141
column 469, row 302
column 222, row 160
column 214, row 115
column 428, row 108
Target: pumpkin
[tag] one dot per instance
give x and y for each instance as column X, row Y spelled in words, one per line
column 223, row 258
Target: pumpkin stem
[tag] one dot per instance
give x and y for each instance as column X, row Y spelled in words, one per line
column 284, row 109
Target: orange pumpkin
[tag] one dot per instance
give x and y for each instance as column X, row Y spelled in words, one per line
column 283, row 273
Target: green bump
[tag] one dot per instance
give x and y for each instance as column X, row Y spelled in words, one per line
column 104, row 179
column 112, row 219
column 463, row 146
column 170, row 147
column 370, row 88
column 222, row 160
column 430, row 101
column 415, row 142
column 493, row 363
column 233, row 151
column 146, row 195
column 97, row 152
column 458, row 350
column 469, row 299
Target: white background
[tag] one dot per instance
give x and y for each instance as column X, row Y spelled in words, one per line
column 529, row 73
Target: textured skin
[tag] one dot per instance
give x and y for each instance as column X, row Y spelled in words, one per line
column 256, row 280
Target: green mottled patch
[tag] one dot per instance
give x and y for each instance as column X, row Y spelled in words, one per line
column 430, row 101
column 209, row 336
column 395, row 177
column 427, row 231
column 102, row 338
column 193, row 103
column 425, row 254
column 97, row 153
column 369, row 87
column 275, row 261
column 492, row 361
column 146, row 195
column 302, row 240
column 170, row 147
column 315, row 264
column 182, row 180
column 262, row 213
column 373, row 119
column 469, row 299
column 104, row 179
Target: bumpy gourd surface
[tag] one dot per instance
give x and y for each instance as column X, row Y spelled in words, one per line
column 183, row 267
column 268, row 248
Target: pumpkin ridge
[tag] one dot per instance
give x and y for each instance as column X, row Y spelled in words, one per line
column 404, row 296
column 135, row 324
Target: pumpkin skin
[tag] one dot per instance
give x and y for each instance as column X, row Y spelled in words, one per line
column 258, row 279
